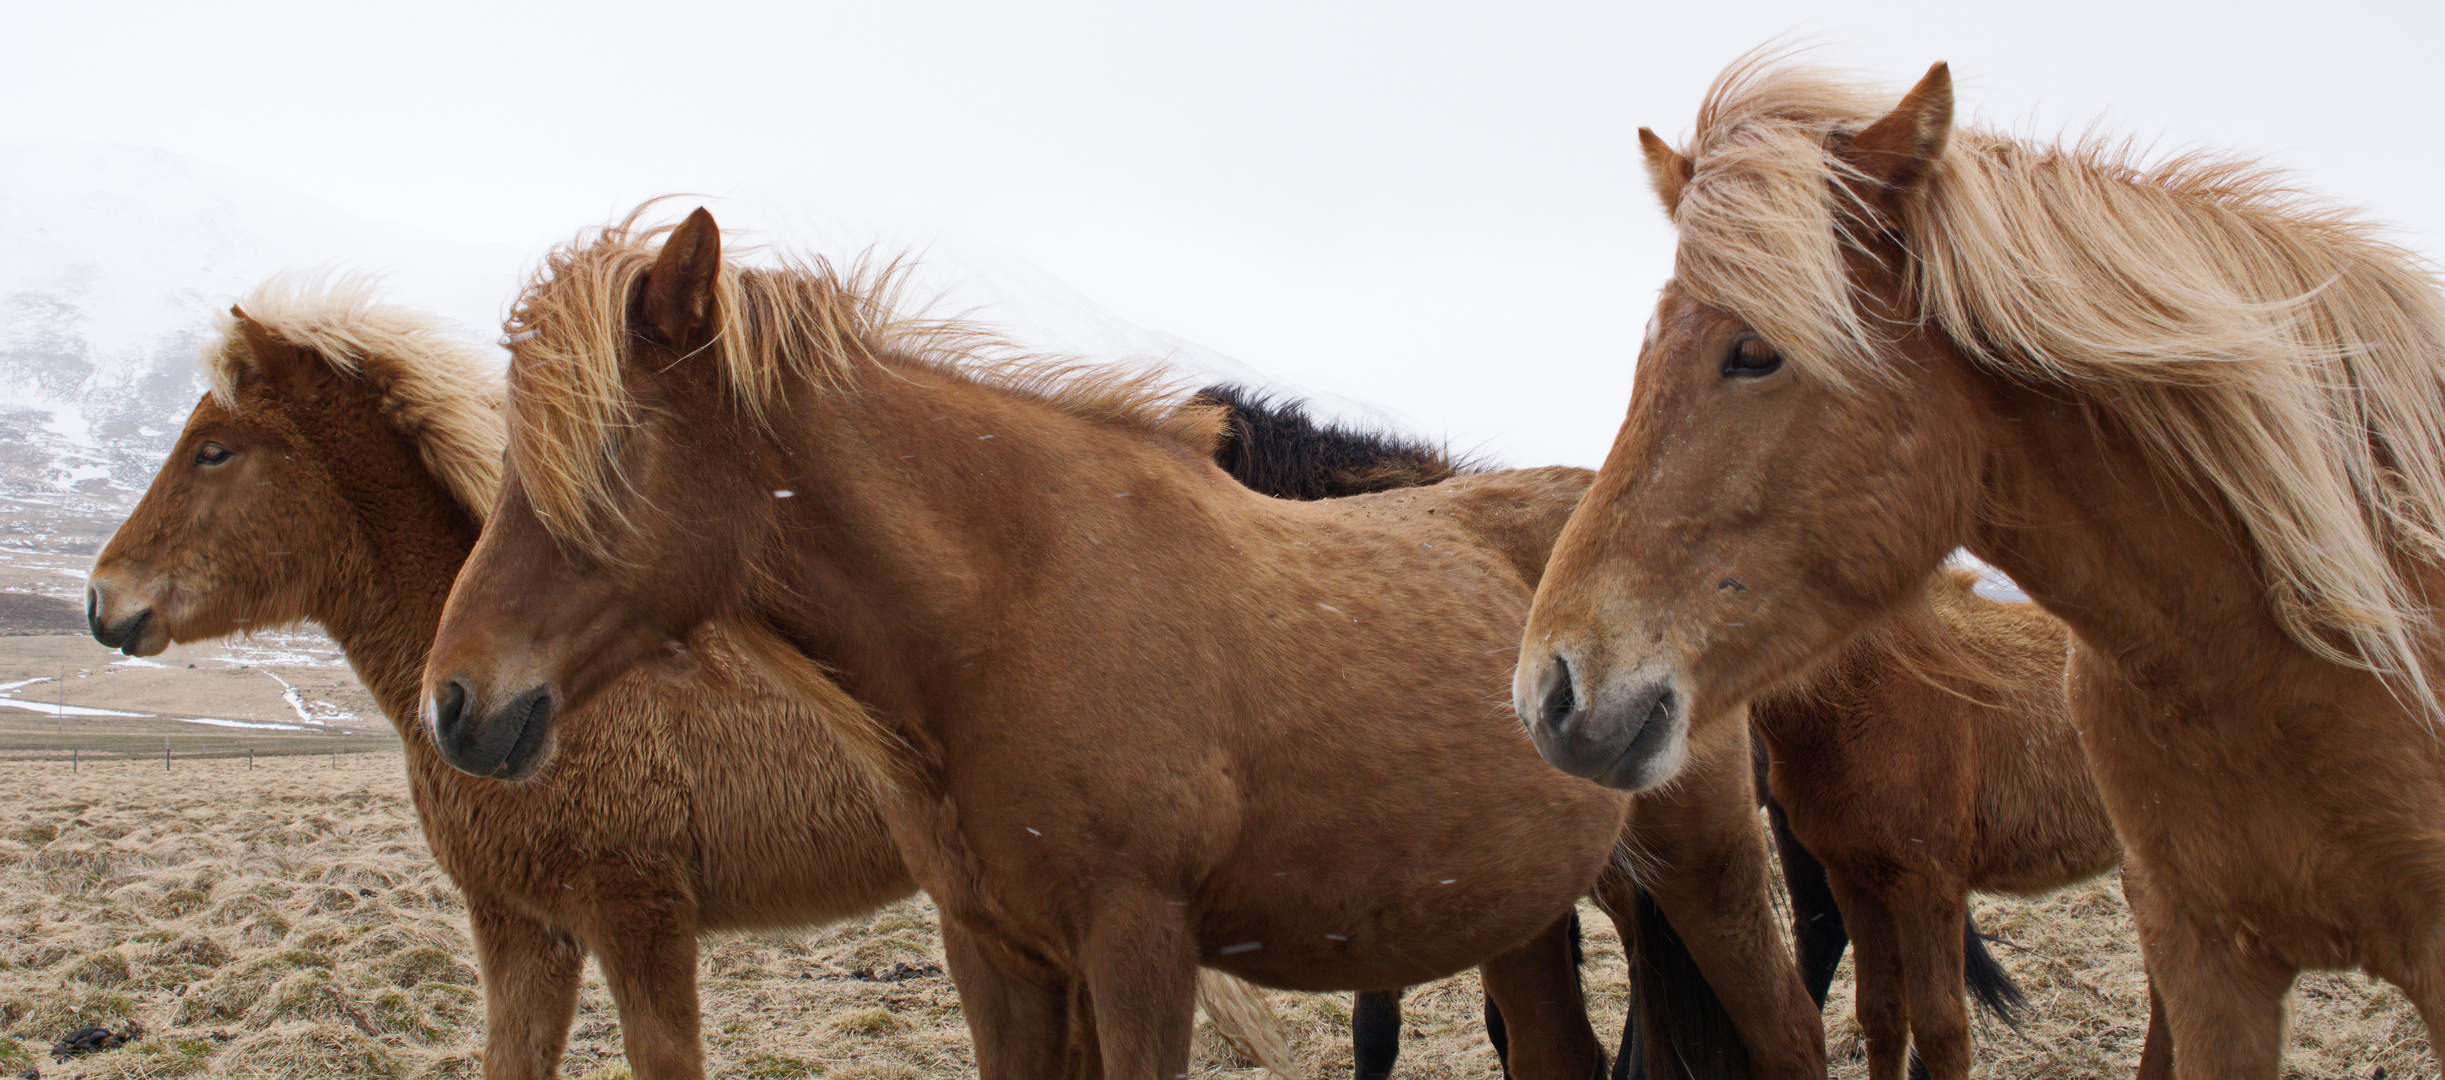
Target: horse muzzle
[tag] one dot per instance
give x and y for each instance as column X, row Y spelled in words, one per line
column 137, row 633
column 1624, row 733
column 503, row 741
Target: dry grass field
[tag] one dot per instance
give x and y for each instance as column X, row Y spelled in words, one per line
column 284, row 921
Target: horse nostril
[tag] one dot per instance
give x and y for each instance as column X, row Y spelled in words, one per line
column 1661, row 712
column 1560, row 700
column 448, row 707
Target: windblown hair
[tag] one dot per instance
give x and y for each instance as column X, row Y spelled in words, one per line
column 801, row 322
column 437, row 389
column 2263, row 347
column 1274, row 446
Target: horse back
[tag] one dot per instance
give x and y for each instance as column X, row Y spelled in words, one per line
column 1515, row 514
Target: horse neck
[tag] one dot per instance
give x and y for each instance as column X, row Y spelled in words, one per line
column 2141, row 566
column 924, row 503
column 384, row 600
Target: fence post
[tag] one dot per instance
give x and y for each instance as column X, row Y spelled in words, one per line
column 165, row 753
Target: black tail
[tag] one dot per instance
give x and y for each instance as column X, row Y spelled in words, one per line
column 1990, row 987
column 1276, row 448
column 1677, row 1028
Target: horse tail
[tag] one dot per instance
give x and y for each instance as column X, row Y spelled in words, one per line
column 1990, row 986
column 1246, row 1022
column 1678, row 1029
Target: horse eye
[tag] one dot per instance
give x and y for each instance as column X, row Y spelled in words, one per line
column 212, row 454
column 1751, row 358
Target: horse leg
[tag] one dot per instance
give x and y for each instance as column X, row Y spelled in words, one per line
column 531, row 975
column 1879, row 985
column 1140, row 967
column 1816, row 920
column 648, row 956
column 1375, row 1033
column 2224, row 1007
column 2424, row 986
column 1019, row 1015
column 1535, row 989
column 1709, row 877
column 1927, row 919
column 2156, row 1053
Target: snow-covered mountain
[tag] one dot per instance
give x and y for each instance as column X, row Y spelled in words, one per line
column 112, row 261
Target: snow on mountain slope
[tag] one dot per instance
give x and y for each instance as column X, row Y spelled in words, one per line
column 112, row 262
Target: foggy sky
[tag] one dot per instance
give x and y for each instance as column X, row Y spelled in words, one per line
column 1433, row 207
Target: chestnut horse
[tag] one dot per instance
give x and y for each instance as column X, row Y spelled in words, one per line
column 1130, row 716
column 1927, row 759
column 1930, row 757
column 2197, row 415
column 338, row 472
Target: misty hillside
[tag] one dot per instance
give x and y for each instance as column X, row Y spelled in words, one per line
column 112, row 261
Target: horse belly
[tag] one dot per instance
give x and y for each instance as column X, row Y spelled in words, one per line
column 1372, row 915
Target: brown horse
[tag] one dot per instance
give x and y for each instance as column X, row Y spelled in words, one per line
column 1131, row 716
column 337, row 473
column 2196, row 415
column 1930, row 757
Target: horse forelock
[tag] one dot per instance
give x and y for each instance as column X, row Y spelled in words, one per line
column 800, row 323
column 437, row 389
column 2261, row 345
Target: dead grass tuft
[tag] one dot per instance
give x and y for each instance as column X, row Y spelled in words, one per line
column 287, row 923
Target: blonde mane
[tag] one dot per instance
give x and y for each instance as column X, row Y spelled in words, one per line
column 2265, row 348
column 801, row 321
column 438, row 390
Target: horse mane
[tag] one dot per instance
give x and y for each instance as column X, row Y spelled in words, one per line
column 1274, row 446
column 801, row 320
column 438, row 390
column 2262, row 346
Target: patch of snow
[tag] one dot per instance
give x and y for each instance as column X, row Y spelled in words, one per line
column 56, row 709
column 297, row 701
column 237, row 723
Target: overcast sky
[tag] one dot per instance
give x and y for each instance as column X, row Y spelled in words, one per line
column 1433, row 207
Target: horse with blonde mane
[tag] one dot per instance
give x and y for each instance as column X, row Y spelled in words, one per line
column 1130, row 717
column 338, row 472
column 2195, row 414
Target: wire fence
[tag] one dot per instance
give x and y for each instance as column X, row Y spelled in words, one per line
column 168, row 752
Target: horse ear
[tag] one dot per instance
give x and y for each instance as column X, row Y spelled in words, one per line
column 1667, row 171
column 677, row 304
column 1901, row 149
column 290, row 370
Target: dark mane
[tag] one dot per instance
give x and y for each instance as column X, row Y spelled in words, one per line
column 1275, row 447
